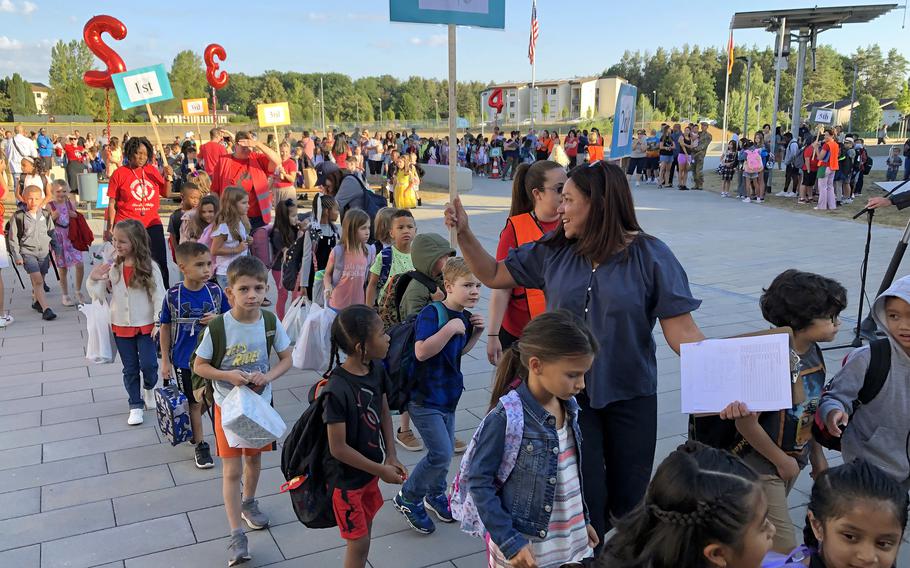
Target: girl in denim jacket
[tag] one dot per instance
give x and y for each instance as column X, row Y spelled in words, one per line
column 526, row 490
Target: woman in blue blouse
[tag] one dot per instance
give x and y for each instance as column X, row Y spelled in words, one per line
column 600, row 265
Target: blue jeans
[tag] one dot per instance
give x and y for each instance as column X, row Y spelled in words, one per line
column 437, row 428
column 138, row 354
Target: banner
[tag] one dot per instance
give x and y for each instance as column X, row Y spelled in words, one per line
column 480, row 13
column 141, row 86
column 274, row 114
column 195, row 107
column 623, row 121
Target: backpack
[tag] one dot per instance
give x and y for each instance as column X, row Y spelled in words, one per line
column 386, row 268
column 205, row 387
column 306, row 466
column 753, row 161
column 400, row 359
column 291, row 265
column 866, row 161
column 372, row 202
column 174, row 304
column 794, row 558
column 873, row 381
column 462, row 504
column 390, row 310
column 797, row 160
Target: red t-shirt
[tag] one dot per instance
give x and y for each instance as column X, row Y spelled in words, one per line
column 74, row 153
column 290, row 167
column 249, row 174
column 341, row 159
column 125, row 330
column 517, row 315
column 210, row 153
column 137, row 194
column 810, row 165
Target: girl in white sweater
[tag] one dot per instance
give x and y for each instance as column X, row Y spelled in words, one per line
column 137, row 292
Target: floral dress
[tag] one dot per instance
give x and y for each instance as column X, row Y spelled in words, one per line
column 67, row 256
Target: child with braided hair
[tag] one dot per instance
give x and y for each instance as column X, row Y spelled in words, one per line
column 704, row 508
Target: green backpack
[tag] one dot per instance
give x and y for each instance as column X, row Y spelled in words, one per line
column 203, row 389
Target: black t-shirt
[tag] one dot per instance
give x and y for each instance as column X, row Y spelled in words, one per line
column 357, row 401
column 174, row 223
column 665, row 140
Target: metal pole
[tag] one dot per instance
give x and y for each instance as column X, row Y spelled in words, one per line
column 322, row 102
column 782, row 34
column 748, row 84
column 436, row 102
column 800, row 77
column 453, row 112
column 357, row 104
column 852, row 99
column 726, row 99
column 380, row 111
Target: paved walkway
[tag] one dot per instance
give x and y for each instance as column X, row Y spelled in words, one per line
column 80, row 488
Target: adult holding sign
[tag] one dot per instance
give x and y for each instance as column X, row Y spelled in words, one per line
column 135, row 193
column 601, row 266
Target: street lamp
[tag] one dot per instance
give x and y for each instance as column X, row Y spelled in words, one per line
column 380, row 111
column 436, row 102
column 748, row 60
column 315, row 102
column 654, row 102
column 357, row 104
column 852, row 99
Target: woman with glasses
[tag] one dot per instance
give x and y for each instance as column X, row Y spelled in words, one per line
column 536, row 196
column 600, row 265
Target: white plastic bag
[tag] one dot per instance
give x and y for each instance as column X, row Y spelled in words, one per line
column 99, row 348
column 295, row 317
column 314, row 344
column 248, row 420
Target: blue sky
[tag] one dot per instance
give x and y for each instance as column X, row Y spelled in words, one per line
column 577, row 37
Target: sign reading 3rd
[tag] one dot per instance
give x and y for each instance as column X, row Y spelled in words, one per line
column 141, row 86
column 274, row 114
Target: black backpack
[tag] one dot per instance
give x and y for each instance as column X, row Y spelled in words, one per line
column 372, row 203
column 308, row 469
column 390, row 309
column 400, row 361
column 290, row 267
column 873, row 381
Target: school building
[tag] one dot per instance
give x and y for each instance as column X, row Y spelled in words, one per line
column 552, row 101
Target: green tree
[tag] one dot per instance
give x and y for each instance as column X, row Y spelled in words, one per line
column 187, row 78
column 238, row 95
column 6, row 108
column 407, row 107
column 22, row 101
column 867, row 114
column 69, row 95
column 678, row 88
column 271, row 91
column 545, row 110
column 564, row 113
column 903, row 100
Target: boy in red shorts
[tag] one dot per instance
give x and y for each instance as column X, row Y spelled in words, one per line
column 244, row 336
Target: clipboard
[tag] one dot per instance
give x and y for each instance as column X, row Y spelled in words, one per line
column 797, row 389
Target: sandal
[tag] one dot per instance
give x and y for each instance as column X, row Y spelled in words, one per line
column 67, row 301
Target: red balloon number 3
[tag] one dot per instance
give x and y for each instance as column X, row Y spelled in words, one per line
column 217, row 79
column 92, row 36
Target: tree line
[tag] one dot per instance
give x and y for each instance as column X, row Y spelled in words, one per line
column 684, row 83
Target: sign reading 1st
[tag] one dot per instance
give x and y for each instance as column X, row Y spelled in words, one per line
column 142, row 86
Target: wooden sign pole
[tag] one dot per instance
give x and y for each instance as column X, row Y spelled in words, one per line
column 154, row 120
column 453, row 145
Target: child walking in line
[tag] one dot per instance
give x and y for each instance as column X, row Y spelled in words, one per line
column 320, row 239
column 137, row 290
column 346, row 272
column 190, row 197
column 439, row 384
column 198, row 226
column 359, row 426
column 728, row 168
column 31, row 238
column 396, row 261
column 704, row 508
column 285, row 233
column 63, row 209
column 231, row 233
column 187, row 308
column 536, row 383
column 857, row 517
column 250, row 333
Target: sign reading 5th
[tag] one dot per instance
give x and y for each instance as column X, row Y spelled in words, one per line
column 142, row 86
column 274, row 114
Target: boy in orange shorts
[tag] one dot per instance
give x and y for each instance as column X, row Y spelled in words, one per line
column 242, row 339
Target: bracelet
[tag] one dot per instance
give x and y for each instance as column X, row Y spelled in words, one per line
column 492, row 335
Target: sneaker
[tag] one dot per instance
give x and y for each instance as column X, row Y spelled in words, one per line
column 747, row 200
column 460, row 446
column 759, row 200
column 238, row 549
column 37, row 307
column 148, row 397
column 408, row 440
column 6, row 320
column 848, row 201
column 67, row 301
column 204, row 456
column 255, row 519
column 46, row 288
column 781, row 194
column 48, row 315
column 439, row 504
column 415, row 514
column 136, row 417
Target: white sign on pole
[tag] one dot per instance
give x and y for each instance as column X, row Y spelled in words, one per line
column 824, row 115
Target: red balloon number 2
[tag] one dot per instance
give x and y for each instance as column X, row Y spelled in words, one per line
column 92, row 36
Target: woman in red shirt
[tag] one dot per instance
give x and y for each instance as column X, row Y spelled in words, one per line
column 135, row 192
column 75, row 154
column 536, row 195
column 571, row 146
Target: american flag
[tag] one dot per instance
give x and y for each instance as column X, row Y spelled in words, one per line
column 535, row 31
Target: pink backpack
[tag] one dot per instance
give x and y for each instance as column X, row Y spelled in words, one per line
column 206, row 236
column 753, row 161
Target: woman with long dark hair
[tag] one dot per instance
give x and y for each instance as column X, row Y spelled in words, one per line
column 600, row 265
column 135, row 192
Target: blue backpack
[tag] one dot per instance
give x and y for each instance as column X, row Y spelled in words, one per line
column 400, row 359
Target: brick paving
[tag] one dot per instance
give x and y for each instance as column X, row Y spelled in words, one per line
column 79, row 488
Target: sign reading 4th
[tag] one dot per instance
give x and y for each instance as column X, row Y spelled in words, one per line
column 142, row 86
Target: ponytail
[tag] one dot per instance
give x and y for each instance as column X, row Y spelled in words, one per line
column 509, row 368
column 527, row 178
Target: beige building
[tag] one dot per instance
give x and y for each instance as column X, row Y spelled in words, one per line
column 563, row 99
column 40, row 92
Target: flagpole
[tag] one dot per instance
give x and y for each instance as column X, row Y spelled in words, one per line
column 726, row 95
column 533, row 61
